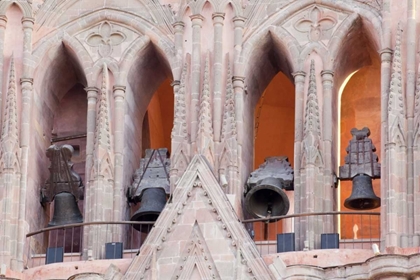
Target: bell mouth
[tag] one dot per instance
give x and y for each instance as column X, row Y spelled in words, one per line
column 150, row 216
column 267, row 200
column 362, row 203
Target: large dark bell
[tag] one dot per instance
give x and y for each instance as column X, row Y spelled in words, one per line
column 66, row 210
column 362, row 196
column 152, row 203
column 267, row 199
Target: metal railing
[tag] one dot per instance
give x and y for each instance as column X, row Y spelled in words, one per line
column 357, row 230
column 70, row 238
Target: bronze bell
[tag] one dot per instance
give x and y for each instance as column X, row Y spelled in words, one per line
column 362, row 195
column 66, row 210
column 267, row 199
column 153, row 201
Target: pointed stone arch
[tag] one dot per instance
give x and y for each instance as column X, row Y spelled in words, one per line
column 23, row 6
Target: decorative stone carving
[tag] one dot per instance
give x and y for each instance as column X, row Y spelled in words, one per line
column 105, row 39
column 9, row 135
column 315, row 24
column 205, row 121
column 396, row 108
column 179, row 129
column 152, row 173
column 361, row 157
column 196, row 256
column 311, row 126
column 103, row 163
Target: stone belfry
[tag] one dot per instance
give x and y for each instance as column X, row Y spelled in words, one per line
column 222, row 85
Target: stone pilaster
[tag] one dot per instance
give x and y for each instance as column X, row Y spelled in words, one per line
column 25, row 128
column 100, row 189
column 197, row 22
column 119, row 109
column 395, row 195
column 311, row 193
column 180, row 146
column 218, row 19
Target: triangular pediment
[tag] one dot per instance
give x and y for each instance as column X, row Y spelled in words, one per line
column 199, row 218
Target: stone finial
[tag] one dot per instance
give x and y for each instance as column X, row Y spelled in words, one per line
column 10, row 119
column 229, row 122
column 311, row 129
column 152, row 173
column 311, row 124
column 180, row 124
column 361, row 157
column 62, row 177
column 102, row 121
column 205, row 121
column 102, row 146
column 396, row 96
column 205, row 125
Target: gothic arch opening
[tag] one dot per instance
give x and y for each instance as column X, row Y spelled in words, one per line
column 149, row 111
column 59, row 116
column 360, row 106
column 271, row 98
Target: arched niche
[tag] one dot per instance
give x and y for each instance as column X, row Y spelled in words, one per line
column 149, row 110
column 59, row 116
column 357, row 71
column 270, row 126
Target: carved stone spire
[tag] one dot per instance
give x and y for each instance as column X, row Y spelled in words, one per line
column 229, row 123
column 180, row 125
column 10, row 121
column 311, row 124
column 396, row 96
column 102, row 147
column 311, row 130
column 103, row 138
column 205, row 126
column 396, row 100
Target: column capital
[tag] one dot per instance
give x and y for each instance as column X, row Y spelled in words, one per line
column 218, row 17
column 28, row 22
column 26, row 80
column 327, row 75
column 3, row 21
column 299, row 76
column 197, row 19
column 239, row 21
column 238, row 81
column 119, row 87
column 178, row 25
column 386, row 54
column 92, row 92
column 119, row 91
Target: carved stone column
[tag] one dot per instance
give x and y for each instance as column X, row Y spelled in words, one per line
column 239, row 92
column 92, row 98
column 26, row 85
column 179, row 33
column 386, row 57
column 119, row 103
column 299, row 105
column 3, row 23
column 329, row 151
column 197, row 22
column 239, row 24
column 218, row 83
